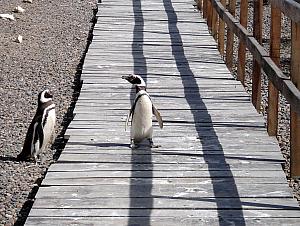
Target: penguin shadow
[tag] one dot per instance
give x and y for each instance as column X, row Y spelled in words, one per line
column 104, row 145
column 61, row 140
column 145, row 146
column 9, row 158
column 188, row 80
column 141, row 186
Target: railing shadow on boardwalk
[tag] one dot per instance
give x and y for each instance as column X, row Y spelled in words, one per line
column 185, row 70
column 144, row 189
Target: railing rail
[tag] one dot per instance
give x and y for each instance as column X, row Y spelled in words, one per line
column 217, row 15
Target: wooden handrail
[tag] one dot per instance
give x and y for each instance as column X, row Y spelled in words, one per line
column 269, row 62
column 290, row 8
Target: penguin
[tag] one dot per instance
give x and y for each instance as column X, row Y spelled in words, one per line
column 41, row 128
column 141, row 113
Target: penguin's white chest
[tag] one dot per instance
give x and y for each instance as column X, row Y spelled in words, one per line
column 142, row 119
column 49, row 125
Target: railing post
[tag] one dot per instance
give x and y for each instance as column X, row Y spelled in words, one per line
column 230, row 38
column 214, row 23
column 242, row 46
column 209, row 14
column 204, row 9
column 275, row 55
column 295, row 119
column 221, row 32
column 256, row 74
column 199, row 5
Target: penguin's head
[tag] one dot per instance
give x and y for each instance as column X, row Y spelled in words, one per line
column 135, row 80
column 45, row 96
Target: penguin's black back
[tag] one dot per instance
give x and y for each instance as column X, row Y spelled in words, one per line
column 26, row 152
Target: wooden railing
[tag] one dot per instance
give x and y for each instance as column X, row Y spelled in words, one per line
column 221, row 13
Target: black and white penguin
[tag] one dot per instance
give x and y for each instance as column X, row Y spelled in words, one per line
column 41, row 128
column 141, row 113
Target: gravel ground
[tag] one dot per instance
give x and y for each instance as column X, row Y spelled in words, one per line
column 55, row 35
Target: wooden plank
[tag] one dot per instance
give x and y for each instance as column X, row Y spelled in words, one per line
column 158, row 86
column 133, row 181
column 167, row 147
column 205, row 133
column 97, row 142
column 206, row 214
column 179, row 173
column 172, row 159
column 208, row 154
column 194, row 107
column 193, row 136
column 188, row 191
column 158, row 221
column 187, row 117
column 70, row 167
column 168, row 203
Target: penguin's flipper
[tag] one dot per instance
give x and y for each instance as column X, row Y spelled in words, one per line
column 40, row 134
column 127, row 121
column 36, row 144
column 158, row 117
column 27, row 149
column 129, row 116
column 37, row 139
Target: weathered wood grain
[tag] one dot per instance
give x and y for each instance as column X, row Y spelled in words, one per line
column 164, row 213
column 70, row 167
column 157, row 221
column 178, row 173
column 136, row 181
column 161, row 202
column 172, row 159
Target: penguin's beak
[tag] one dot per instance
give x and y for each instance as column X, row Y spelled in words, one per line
column 129, row 78
column 133, row 79
column 126, row 77
column 48, row 94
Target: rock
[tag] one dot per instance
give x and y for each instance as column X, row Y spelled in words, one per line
column 19, row 9
column 19, row 39
column 7, row 16
column 27, row 1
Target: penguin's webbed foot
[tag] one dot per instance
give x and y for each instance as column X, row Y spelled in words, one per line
column 23, row 158
column 155, row 146
column 36, row 159
column 133, row 145
column 152, row 144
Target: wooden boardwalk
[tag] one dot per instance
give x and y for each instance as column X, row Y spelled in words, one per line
column 216, row 164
